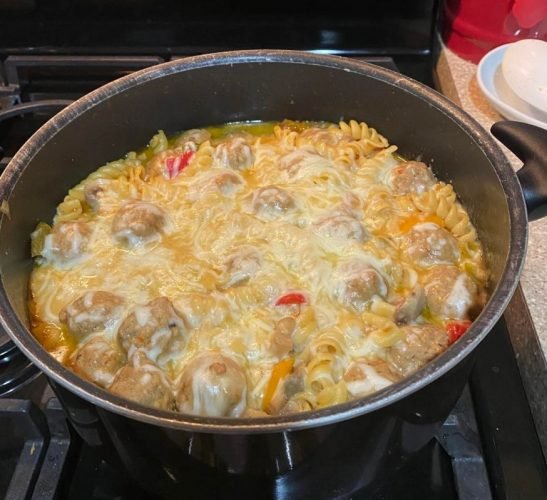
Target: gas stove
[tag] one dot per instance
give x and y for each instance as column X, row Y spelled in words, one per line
column 487, row 448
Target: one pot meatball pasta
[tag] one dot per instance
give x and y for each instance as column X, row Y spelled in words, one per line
column 255, row 269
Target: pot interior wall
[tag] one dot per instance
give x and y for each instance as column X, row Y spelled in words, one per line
column 246, row 91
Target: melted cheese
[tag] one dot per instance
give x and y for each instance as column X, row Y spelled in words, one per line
column 459, row 298
column 201, row 260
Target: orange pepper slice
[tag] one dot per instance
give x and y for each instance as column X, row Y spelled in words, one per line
column 280, row 370
column 408, row 223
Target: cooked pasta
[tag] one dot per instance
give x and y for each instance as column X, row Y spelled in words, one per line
column 255, row 269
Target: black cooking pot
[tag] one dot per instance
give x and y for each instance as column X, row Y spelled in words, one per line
column 350, row 445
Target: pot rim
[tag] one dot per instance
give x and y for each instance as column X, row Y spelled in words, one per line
column 497, row 302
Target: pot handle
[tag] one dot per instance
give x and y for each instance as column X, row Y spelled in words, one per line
column 529, row 143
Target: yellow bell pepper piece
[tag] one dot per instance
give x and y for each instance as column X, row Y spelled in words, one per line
column 280, row 370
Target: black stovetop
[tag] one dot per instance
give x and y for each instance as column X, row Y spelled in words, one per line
column 487, row 448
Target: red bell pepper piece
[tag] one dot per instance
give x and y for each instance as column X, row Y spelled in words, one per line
column 176, row 164
column 455, row 329
column 290, row 299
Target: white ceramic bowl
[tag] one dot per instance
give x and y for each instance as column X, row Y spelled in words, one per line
column 524, row 68
column 493, row 85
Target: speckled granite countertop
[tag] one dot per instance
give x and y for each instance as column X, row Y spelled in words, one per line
column 458, row 81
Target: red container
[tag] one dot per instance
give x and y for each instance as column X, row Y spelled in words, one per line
column 473, row 27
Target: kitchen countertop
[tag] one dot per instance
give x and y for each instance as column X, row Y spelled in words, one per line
column 457, row 79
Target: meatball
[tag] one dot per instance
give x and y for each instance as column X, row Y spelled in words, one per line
column 297, row 162
column 449, row 292
column 341, row 227
column 138, row 222
column 234, row 153
column 67, row 241
column 361, row 379
column 155, row 329
column 94, row 191
column 428, row 244
column 411, row 306
column 92, row 312
column 195, row 135
column 241, row 266
column 227, row 183
column 98, row 361
column 295, row 406
column 358, row 283
column 143, row 382
column 291, row 162
column 410, row 177
column 270, row 202
column 212, row 385
column 421, row 343
column 282, row 343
